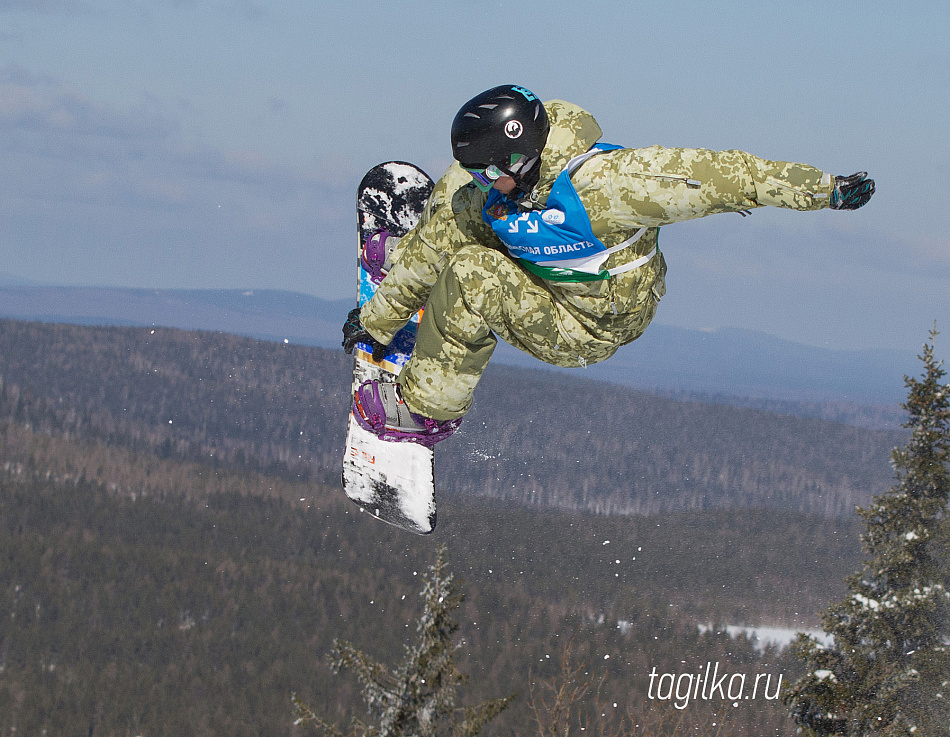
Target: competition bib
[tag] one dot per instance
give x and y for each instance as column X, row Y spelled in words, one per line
column 560, row 237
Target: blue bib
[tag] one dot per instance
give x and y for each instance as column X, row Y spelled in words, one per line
column 560, row 236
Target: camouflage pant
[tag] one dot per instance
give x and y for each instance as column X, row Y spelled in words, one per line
column 482, row 293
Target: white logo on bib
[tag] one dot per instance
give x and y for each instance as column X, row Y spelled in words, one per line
column 552, row 217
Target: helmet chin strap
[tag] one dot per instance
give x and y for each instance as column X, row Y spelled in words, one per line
column 526, row 176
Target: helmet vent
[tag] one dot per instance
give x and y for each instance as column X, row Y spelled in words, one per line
column 489, row 106
column 472, row 115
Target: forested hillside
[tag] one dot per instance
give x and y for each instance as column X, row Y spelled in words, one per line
column 176, row 556
column 143, row 595
column 533, row 437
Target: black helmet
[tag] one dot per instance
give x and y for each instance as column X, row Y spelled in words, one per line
column 497, row 123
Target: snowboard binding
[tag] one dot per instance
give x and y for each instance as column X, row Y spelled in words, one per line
column 379, row 409
column 374, row 258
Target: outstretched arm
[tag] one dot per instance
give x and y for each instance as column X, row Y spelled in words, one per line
column 656, row 186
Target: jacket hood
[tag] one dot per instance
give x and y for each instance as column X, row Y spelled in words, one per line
column 573, row 132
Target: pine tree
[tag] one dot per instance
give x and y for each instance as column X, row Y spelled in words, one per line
column 888, row 671
column 416, row 698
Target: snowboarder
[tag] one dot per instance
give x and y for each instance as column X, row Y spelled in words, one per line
column 542, row 236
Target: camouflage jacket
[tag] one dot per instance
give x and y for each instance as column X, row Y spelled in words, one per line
column 622, row 191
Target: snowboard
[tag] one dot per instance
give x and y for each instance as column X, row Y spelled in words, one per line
column 395, row 482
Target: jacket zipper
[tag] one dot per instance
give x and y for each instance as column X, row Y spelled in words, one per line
column 691, row 183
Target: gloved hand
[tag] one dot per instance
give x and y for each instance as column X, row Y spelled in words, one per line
column 354, row 332
column 852, row 192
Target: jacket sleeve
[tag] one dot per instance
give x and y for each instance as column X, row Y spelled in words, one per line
column 452, row 220
column 657, row 186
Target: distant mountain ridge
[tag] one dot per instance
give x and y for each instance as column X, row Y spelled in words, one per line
column 731, row 366
column 532, row 437
column 9, row 280
column 265, row 314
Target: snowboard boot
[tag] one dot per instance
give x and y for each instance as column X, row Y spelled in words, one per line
column 375, row 254
column 379, row 409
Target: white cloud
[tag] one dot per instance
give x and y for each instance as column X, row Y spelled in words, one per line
column 32, row 102
column 96, row 194
column 49, row 125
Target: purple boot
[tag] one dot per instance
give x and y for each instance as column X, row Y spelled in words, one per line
column 374, row 257
column 379, row 409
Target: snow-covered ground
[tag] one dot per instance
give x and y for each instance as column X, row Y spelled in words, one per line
column 780, row 637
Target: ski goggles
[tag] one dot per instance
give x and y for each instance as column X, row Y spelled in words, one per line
column 485, row 175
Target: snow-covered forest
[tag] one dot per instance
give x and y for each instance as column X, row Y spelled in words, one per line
column 178, row 558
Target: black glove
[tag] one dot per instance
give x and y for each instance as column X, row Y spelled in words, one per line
column 354, row 332
column 852, row 192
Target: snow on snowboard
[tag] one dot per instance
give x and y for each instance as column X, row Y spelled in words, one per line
column 392, row 481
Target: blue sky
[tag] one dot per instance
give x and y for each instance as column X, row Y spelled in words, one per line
column 218, row 143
